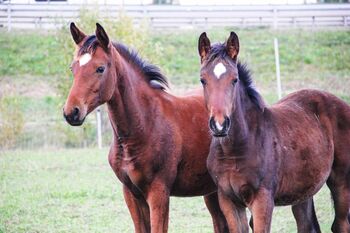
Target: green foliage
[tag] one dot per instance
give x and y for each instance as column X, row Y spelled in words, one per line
column 11, row 122
column 27, row 53
column 69, row 136
column 304, row 56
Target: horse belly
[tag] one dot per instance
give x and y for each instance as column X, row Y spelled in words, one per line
column 304, row 175
column 298, row 194
column 193, row 184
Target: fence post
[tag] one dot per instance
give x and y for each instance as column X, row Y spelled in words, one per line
column 345, row 21
column 278, row 75
column 9, row 16
column 99, row 127
column 275, row 18
column 294, row 22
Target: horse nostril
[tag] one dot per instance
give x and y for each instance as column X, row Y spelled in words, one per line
column 75, row 111
column 226, row 122
column 75, row 114
column 212, row 123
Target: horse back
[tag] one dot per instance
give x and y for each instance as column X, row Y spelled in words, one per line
column 330, row 111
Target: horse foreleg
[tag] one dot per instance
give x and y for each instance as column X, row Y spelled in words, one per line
column 139, row 211
column 235, row 216
column 305, row 217
column 262, row 208
column 158, row 202
column 219, row 221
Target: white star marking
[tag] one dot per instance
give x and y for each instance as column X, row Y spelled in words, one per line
column 84, row 59
column 219, row 70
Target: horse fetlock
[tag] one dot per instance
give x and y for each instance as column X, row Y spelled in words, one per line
column 340, row 226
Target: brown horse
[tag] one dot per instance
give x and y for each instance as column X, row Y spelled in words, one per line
column 155, row 152
column 265, row 156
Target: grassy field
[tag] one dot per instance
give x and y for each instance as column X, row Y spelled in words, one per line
column 76, row 191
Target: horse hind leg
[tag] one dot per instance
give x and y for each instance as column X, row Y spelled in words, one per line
column 339, row 184
column 219, row 221
column 305, row 217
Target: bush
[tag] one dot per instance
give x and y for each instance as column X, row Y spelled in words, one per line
column 11, row 122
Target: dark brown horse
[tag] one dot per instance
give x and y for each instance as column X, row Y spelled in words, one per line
column 155, row 152
column 265, row 156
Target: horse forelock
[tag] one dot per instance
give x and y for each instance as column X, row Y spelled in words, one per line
column 89, row 46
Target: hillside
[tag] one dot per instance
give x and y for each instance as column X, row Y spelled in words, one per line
column 35, row 77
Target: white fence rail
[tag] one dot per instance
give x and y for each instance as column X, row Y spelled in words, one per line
column 49, row 15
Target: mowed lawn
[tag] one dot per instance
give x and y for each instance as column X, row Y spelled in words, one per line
column 76, row 191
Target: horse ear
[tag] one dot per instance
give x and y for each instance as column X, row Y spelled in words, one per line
column 203, row 46
column 232, row 46
column 102, row 37
column 78, row 36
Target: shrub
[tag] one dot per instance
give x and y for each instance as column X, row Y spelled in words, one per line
column 11, row 122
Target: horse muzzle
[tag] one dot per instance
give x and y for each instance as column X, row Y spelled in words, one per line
column 74, row 117
column 219, row 130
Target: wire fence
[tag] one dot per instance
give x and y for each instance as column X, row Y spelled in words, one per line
column 52, row 15
column 56, row 133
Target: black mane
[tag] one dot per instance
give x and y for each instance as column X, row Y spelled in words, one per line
column 151, row 73
column 244, row 74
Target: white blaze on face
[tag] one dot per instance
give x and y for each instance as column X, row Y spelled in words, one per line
column 219, row 70
column 84, row 59
column 218, row 126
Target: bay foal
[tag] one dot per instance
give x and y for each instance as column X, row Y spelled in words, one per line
column 155, row 152
column 280, row 155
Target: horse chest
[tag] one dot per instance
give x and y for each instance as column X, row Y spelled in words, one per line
column 130, row 170
column 238, row 185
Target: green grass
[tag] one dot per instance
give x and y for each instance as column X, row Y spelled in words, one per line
column 302, row 53
column 76, row 191
column 29, row 53
column 315, row 59
column 35, row 61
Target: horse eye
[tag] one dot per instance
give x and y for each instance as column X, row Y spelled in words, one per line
column 71, row 68
column 100, row 69
column 234, row 81
column 203, row 82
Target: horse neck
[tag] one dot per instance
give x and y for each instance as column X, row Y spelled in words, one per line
column 246, row 118
column 127, row 110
